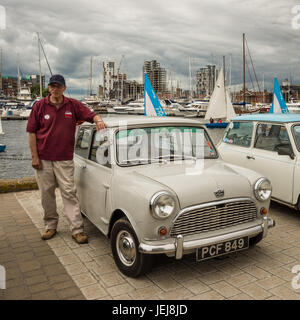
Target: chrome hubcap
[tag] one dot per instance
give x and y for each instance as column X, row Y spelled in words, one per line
column 126, row 248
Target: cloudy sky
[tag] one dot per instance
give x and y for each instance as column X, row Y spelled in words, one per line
column 169, row 31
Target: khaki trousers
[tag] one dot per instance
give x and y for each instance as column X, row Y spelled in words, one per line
column 61, row 174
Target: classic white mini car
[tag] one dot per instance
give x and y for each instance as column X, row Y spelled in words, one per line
column 156, row 185
column 270, row 145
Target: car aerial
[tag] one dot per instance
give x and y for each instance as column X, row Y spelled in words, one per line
column 156, row 185
column 270, row 145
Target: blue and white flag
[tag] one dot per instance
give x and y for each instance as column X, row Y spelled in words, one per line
column 152, row 105
column 278, row 104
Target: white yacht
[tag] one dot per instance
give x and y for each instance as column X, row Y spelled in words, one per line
column 294, row 107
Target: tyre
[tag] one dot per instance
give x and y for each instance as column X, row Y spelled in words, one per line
column 253, row 241
column 124, row 246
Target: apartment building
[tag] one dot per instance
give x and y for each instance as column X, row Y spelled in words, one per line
column 157, row 75
column 109, row 77
column 206, row 79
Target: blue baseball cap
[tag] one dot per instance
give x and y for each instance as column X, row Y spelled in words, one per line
column 57, row 78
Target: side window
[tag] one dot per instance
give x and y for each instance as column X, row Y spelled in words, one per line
column 271, row 136
column 83, row 142
column 101, row 148
column 239, row 133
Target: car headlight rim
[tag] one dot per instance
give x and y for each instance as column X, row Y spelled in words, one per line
column 154, row 202
column 258, row 191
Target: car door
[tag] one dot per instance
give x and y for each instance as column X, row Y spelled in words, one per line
column 97, row 175
column 82, row 149
column 264, row 158
column 236, row 142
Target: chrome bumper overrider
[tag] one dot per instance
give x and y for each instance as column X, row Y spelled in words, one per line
column 180, row 246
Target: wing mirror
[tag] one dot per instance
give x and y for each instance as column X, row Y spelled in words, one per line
column 286, row 151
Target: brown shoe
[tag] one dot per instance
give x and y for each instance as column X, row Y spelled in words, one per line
column 48, row 234
column 80, row 238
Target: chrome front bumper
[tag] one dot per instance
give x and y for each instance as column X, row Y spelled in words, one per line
column 180, row 246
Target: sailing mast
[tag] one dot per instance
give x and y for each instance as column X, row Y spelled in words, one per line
column 0, row 71
column 40, row 68
column 244, row 71
column 224, row 73
column 190, row 75
column 91, row 77
column 19, row 77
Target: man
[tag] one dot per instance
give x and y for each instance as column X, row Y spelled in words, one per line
column 51, row 126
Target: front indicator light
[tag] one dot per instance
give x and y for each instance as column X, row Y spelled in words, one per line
column 263, row 211
column 162, row 231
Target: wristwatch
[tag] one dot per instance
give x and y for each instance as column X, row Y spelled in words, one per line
column 99, row 121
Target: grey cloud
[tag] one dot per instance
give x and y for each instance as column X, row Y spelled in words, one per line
column 169, row 31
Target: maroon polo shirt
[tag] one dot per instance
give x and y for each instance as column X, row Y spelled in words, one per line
column 55, row 128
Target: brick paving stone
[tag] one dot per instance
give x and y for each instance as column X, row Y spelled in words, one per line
column 112, row 279
column 45, row 295
column 166, row 283
column 210, row 295
column 210, row 278
column 255, row 291
column 256, row 272
column 35, row 280
column 141, row 282
column 68, row 259
column 120, row 289
column 241, row 296
column 17, row 293
column 83, row 280
column 77, row 268
column 122, row 297
column 144, row 293
column 196, row 286
column 94, row 291
column 270, row 282
column 241, row 280
column 225, row 289
column 285, row 293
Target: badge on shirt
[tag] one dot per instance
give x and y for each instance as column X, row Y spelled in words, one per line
column 68, row 114
column 47, row 116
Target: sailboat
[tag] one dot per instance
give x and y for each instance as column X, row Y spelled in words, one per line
column 278, row 104
column 220, row 106
column 152, row 105
column 2, row 146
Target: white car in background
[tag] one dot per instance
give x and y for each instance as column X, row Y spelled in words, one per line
column 270, row 145
column 157, row 186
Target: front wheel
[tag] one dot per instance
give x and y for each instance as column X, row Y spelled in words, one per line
column 124, row 246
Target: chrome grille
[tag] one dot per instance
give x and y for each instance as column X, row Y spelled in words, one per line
column 214, row 216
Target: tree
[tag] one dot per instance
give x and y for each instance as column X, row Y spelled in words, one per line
column 35, row 91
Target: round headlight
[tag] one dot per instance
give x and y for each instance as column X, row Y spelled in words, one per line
column 162, row 205
column 262, row 189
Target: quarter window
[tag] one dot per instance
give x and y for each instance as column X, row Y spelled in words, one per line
column 271, row 136
column 297, row 136
column 239, row 133
column 83, row 142
column 101, row 150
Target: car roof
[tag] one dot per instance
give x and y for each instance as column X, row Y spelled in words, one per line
column 270, row 117
column 117, row 121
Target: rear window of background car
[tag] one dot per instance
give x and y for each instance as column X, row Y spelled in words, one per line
column 239, row 133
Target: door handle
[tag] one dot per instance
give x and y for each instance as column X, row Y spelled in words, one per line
column 106, row 186
column 250, row 157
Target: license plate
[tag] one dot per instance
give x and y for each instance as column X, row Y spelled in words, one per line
column 221, row 248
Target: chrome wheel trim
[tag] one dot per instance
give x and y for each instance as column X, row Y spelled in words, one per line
column 126, row 248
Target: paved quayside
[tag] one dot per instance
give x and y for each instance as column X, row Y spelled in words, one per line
column 61, row 269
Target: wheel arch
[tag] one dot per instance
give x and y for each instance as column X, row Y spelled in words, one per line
column 118, row 214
